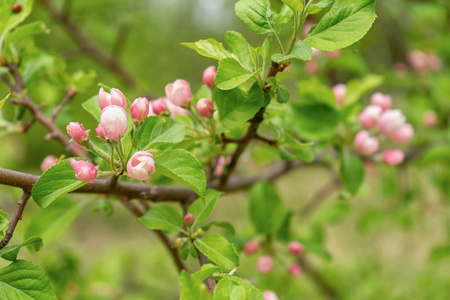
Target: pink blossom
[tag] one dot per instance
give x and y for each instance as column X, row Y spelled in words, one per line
column 333, row 54
column 366, row 144
column 369, row 116
column 361, row 137
column 140, row 165
column 179, row 92
column 159, row 106
column 100, row 132
column 295, row 270
column 176, row 110
column 434, row 63
column 340, row 90
column 390, row 121
column 114, row 122
column 84, row 171
column 393, row 157
column 48, row 162
column 189, row 219
column 403, row 135
column 76, row 131
column 295, row 248
column 251, row 247
column 383, row 101
column 430, row 119
column 269, row 295
column 139, row 109
column 209, row 75
column 116, row 97
column 205, row 107
column 418, row 60
column 264, row 264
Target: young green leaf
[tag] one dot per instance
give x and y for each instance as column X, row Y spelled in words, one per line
column 295, row 5
column 2, row 102
column 238, row 45
column 10, row 20
column 24, row 280
column 316, row 6
column 358, row 87
column 157, row 131
column 202, row 208
column 10, row 253
column 206, row 271
column 3, row 220
column 163, row 217
column 301, row 151
column 56, row 181
column 209, row 48
column 283, row 94
column 301, row 51
column 227, row 289
column 218, row 250
column 254, row 15
column 26, row 30
column 222, row 224
column 351, row 172
column 252, row 292
column 91, row 106
column 232, row 74
column 193, row 288
column 346, row 23
column 182, row 166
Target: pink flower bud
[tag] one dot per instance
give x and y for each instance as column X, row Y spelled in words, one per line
column 159, row 106
column 100, row 132
column 251, row 247
column 403, row 135
column 269, row 295
column 114, row 122
column 311, row 67
column 369, row 146
column 333, row 54
column 188, row 219
column 139, row 109
column 295, row 270
column 360, row 138
column 383, row 101
column 178, row 243
column 295, row 248
column 434, row 63
column 393, row 157
column 390, row 121
column 369, row 116
column 340, row 90
column 179, row 92
column 116, row 97
column 208, row 76
column 176, row 110
column 418, row 60
column 48, row 162
column 430, row 119
column 205, row 107
column 140, row 165
column 264, row 264
column 76, row 131
column 84, row 171
column 400, row 68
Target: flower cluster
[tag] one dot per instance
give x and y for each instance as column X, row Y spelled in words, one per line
column 379, row 118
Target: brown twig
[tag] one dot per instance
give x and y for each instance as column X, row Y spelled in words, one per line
column 328, row 290
column 203, row 260
column 17, row 216
column 69, row 96
column 87, row 45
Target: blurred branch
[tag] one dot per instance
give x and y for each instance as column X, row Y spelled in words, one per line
column 328, row 290
column 17, row 216
column 69, row 96
column 87, row 45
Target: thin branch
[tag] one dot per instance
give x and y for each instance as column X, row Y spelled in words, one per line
column 69, row 96
column 86, row 44
column 203, row 260
column 17, row 216
column 327, row 289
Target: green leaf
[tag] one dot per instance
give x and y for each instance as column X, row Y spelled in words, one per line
column 317, row 5
column 227, row 289
column 358, row 87
column 2, row 102
column 283, row 94
column 209, row 48
column 10, row 253
column 52, row 221
column 238, row 45
column 202, row 208
column 157, row 131
column 254, row 15
column 3, row 220
column 56, row 181
column 351, row 172
column 332, row 213
column 163, row 217
column 92, row 107
column 267, row 211
column 301, row 151
column 252, row 292
column 301, row 51
column 312, row 92
column 222, row 224
column 82, row 80
column 24, row 280
column 192, row 288
column 235, row 108
column 232, row 74
column 346, row 23
column 439, row 253
column 435, row 155
column 295, row 5
column 183, row 167
column 9, row 19
column 206, row 271
column 26, row 30
column 218, row 250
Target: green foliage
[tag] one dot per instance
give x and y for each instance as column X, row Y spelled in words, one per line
column 238, row 45
column 55, row 182
column 317, row 6
column 351, row 172
column 251, row 291
column 91, row 106
column 26, row 30
column 24, row 280
column 209, row 48
column 301, row 51
column 256, row 15
column 218, row 250
column 9, row 19
column 192, row 288
column 228, row 289
column 158, row 131
column 10, row 253
column 163, row 217
column 206, row 271
column 295, row 5
column 2, row 102
column 232, row 73
column 202, row 208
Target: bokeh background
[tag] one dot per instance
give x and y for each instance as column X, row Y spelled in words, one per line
column 391, row 241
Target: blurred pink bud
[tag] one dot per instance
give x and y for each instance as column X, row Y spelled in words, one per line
column 367, row 146
column 251, row 247
column 100, row 132
column 159, row 106
column 205, row 107
column 393, row 157
column 434, row 63
column 140, row 165
column 390, row 121
column 360, row 138
column 220, row 165
column 340, row 90
column 84, row 171
column 400, row 68
column 76, row 131
column 295, row 248
column 48, row 162
column 209, row 75
column 176, row 110
column 311, row 67
column 333, row 54
column 295, row 270
column 264, row 264
column 188, row 219
column 369, row 116
column 383, row 101
column 114, row 122
column 179, row 92
column 139, row 109
column 403, row 135
column 308, row 25
column 269, row 295
column 418, row 60
column 430, row 119
column 116, row 97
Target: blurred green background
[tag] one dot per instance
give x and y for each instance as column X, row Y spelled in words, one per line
column 391, row 241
